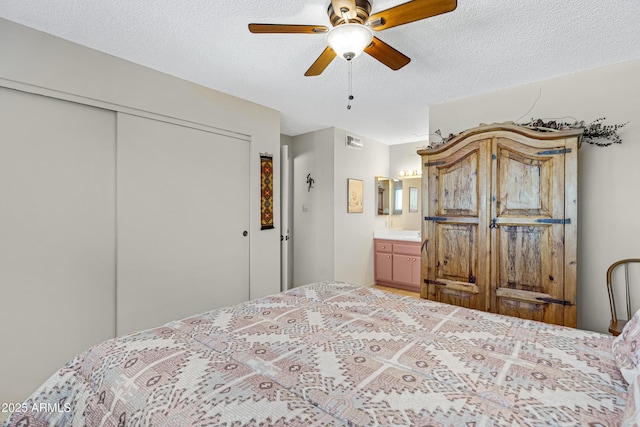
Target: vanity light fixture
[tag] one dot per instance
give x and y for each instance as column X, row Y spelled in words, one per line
column 410, row 173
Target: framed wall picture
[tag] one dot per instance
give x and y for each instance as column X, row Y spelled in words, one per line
column 413, row 199
column 355, row 194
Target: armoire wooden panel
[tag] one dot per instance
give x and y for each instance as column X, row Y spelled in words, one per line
column 500, row 221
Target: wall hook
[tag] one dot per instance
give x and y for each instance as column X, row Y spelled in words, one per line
column 310, row 181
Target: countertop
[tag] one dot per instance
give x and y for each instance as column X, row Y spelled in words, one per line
column 404, row 235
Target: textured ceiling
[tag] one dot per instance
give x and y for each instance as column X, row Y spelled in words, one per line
column 481, row 46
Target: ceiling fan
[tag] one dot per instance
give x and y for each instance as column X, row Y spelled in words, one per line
column 352, row 30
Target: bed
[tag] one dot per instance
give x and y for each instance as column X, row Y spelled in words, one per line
column 335, row 354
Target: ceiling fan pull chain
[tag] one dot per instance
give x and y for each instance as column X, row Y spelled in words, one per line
column 350, row 86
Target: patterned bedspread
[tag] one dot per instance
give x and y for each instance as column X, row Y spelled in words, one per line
column 332, row 354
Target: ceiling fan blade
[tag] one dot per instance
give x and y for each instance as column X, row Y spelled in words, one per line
column 280, row 28
column 349, row 5
column 409, row 12
column 386, row 54
column 321, row 63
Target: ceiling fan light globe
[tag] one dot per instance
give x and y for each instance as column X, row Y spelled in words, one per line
column 349, row 40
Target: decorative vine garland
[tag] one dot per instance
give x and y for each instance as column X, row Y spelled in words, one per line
column 595, row 133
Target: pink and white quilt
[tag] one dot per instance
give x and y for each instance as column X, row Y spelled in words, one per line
column 334, row 354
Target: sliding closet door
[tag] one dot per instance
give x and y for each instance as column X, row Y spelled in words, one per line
column 57, row 236
column 183, row 209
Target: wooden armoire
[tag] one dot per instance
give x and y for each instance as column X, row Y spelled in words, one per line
column 500, row 222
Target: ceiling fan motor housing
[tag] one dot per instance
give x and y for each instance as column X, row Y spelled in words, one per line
column 363, row 10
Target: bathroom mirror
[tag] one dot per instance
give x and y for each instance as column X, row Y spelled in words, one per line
column 397, row 197
column 405, row 205
column 383, row 195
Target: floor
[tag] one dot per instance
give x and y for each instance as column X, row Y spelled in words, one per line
column 397, row 291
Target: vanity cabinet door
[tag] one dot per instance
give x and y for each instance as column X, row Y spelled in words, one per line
column 403, row 269
column 415, row 272
column 406, row 264
column 384, row 266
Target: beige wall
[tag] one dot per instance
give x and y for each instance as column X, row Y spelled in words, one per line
column 608, row 202
column 37, row 62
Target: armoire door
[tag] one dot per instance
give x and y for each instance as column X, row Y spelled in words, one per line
column 456, row 221
column 528, row 231
column 57, row 235
column 183, row 222
column 500, row 225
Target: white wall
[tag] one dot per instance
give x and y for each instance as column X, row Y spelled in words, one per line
column 404, row 157
column 328, row 242
column 313, row 210
column 35, row 61
column 353, row 250
column 608, row 202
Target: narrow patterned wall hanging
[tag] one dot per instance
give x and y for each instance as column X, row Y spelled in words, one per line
column 266, row 191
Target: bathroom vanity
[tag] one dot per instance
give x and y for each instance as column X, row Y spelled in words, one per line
column 397, row 258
